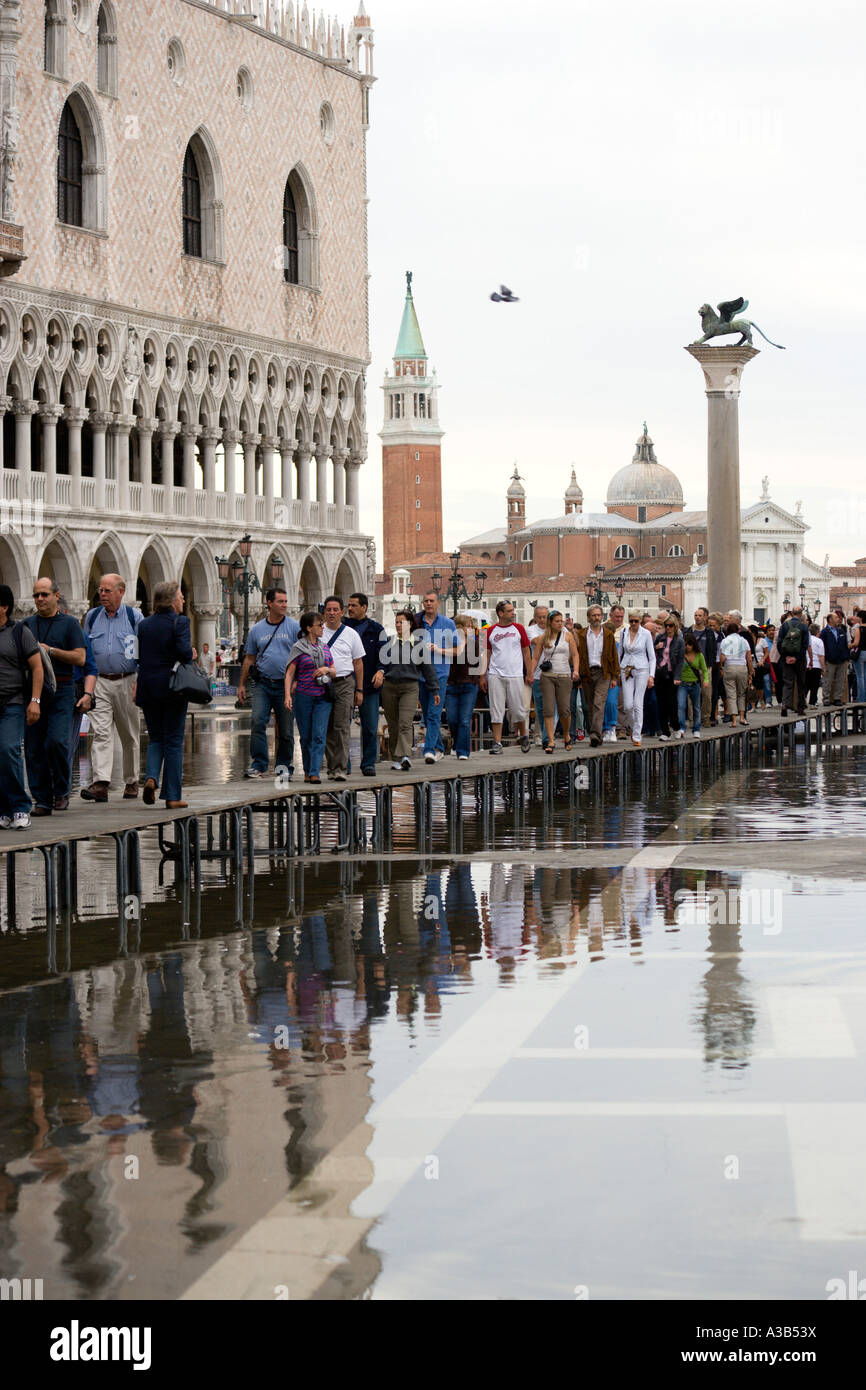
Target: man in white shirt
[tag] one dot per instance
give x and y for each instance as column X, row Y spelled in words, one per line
column 347, row 653
column 533, row 692
column 815, row 665
column 507, row 664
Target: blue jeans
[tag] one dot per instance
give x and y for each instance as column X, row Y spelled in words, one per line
column 539, row 712
column 767, row 682
column 13, row 792
column 165, row 720
column 578, row 722
column 46, row 746
column 689, row 691
column 311, row 715
column 860, row 677
column 267, row 694
column 651, row 726
column 369, row 712
column 432, row 714
column 611, row 709
column 459, row 704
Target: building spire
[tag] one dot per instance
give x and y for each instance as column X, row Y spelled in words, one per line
column 410, row 344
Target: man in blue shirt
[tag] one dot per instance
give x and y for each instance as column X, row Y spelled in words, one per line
column 113, row 631
column 439, row 634
column 372, row 635
column 85, row 702
column 46, row 744
column 835, row 681
column 266, row 657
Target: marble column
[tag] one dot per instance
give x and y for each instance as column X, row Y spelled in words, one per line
column 208, row 440
column 189, row 435
column 74, row 420
column 322, row 456
column 167, row 431
column 5, row 404
column 780, row 580
column 796, row 573
column 206, row 616
column 287, row 450
column 269, row 444
column 748, row 605
column 304, row 456
column 99, row 422
column 354, row 486
column 120, row 428
column 339, row 456
column 23, row 411
column 49, row 415
column 231, row 440
column 723, row 368
column 251, row 444
column 145, row 426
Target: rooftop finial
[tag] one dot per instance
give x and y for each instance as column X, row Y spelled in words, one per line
column 409, row 283
column 644, row 427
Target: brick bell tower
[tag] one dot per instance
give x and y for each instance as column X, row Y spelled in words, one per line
column 411, row 449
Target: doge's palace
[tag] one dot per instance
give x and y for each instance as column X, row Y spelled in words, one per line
column 183, row 308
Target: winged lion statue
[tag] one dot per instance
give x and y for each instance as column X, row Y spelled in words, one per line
column 717, row 325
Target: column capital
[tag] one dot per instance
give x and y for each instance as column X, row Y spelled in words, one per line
column 356, row 460
column 304, row 453
column 231, row 437
column 339, row 455
column 270, row 441
column 5, row 403
column 101, row 419
column 121, row 424
column 146, row 424
column 251, row 441
column 208, row 610
column 288, row 446
column 50, row 412
column 75, row 416
column 169, row 428
column 189, row 432
column 322, row 451
column 210, row 435
column 24, row 407
column 722, row 366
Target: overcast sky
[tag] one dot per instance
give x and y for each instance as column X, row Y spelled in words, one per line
column 617, row 165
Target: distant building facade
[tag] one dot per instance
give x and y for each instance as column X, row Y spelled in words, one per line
column 183, row 347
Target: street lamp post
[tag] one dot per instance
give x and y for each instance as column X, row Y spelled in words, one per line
column 593, row 590
column 456, row 589
column 245, row 580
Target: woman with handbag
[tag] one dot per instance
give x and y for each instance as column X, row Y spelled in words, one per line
column 309, row 691
column 163, row 641
column 669, row 650
column 555, row 651
column 637, row 661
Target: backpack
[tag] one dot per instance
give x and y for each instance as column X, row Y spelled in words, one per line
column 792, row 643
column 90, row 617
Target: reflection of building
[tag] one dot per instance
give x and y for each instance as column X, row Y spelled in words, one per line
column 182, row 351
column 645, row 539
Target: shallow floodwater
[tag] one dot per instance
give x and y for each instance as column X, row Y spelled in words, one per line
column 484, row 1078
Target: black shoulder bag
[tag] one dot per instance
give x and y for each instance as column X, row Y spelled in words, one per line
column 188, row 681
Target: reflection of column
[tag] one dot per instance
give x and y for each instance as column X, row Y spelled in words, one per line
column 167, row 431
column 74, row 420
column 251, row 443
column 208, row 440
column 145, row 428
column 231, row 440
column 323, row 453
column 120, row 427
column 723, row 368
column 339, row 456
column 23, row 411
column 780, row 580
column 269, row 444
column 189, row 435
column 49, row 415
column 304, row 456
column 99, row 422
column 354, row 485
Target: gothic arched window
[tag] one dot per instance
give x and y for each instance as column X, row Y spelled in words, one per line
column 526, row 552
column 192, row 240
column 290, row 236
column 106, row 50
column 70, row 176
column 54, row 52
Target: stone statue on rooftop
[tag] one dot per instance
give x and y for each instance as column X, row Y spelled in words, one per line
column 718, row 325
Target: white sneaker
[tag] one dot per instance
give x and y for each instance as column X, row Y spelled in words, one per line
column 463, row 757
column 438, row 756
column 636, row 738
column 696, row 733
column 429, row 757
column 396, row 767
column 609, row 737
column 664, row 738
column 5, row 822
column 678, row 734
column 21, row 820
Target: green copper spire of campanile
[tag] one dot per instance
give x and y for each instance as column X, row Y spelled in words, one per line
column 410, row 344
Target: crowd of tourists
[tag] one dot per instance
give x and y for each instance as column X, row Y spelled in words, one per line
column 631, row 675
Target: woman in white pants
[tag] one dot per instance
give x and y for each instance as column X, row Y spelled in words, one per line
column 637, row 661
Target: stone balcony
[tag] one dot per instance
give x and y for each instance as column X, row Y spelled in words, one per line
column 11, row 248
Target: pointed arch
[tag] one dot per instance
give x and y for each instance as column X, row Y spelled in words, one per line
column 203, row 199
column 15, row 566
column 82, row 162
column 348, row 575
column 199, row 573
column 106, row 50
column 313, row 583
column 300, row 229
column 60, row 560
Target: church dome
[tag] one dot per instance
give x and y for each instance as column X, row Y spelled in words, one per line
column 573, row 492
column 644, row 481
column 515, row 487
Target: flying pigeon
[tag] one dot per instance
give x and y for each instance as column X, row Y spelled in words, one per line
column 504, row 296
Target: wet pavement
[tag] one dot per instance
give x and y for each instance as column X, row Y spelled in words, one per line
column 619, row 1055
